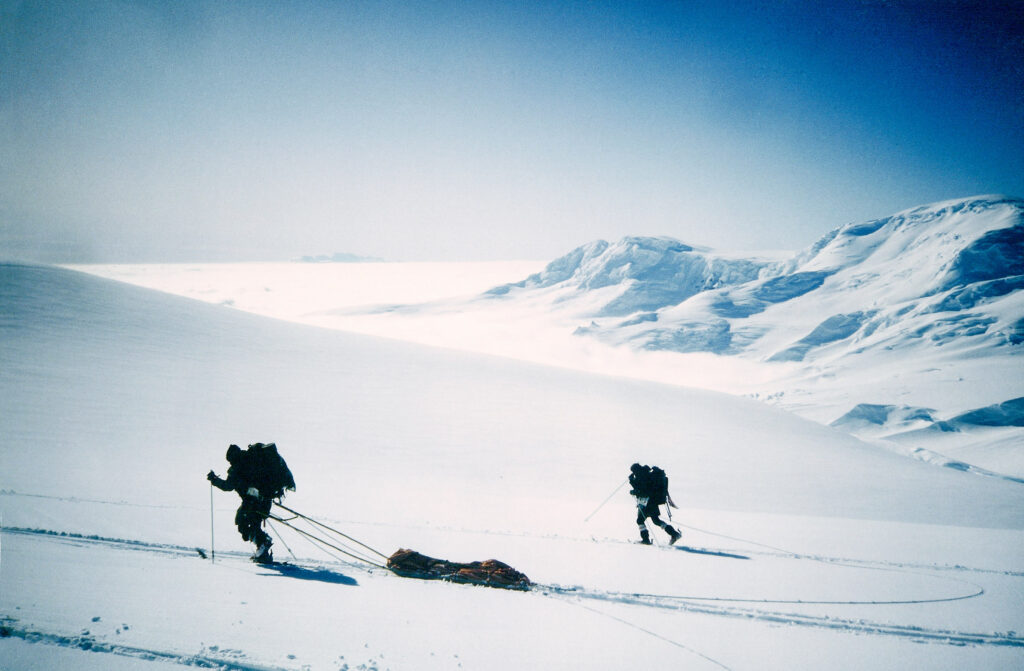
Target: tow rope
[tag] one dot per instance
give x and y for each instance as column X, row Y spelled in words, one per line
column 404, row 562
column 332, row 530
column 324, row 540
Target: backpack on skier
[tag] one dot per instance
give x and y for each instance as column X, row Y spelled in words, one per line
column 659, row 485
column 270, row 472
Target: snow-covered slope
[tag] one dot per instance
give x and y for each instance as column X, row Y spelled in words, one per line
column 116, row 400
column 921, row 313
column 940, row 275
column 918, row 315
column 646, row 274
column 165, row 384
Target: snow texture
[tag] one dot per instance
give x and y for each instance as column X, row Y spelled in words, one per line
column 803, row 547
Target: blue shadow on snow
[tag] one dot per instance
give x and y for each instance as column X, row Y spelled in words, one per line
column 318, row 574
column 711, row 553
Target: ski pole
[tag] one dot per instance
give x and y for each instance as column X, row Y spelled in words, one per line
column 616, row 491
column 211, row 523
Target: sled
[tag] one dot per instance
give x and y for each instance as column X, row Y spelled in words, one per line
column 491, row 572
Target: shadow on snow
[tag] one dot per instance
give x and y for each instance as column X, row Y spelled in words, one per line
column 317, row 574
column 711, row 553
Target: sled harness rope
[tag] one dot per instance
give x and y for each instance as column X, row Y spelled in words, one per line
column 278, row 534
column 332, row 530
column 325, row 537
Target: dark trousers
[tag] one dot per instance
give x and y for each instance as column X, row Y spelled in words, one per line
column 653, row 512
column 250, row 517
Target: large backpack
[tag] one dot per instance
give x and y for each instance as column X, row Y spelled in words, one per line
column 659, row 486
column 269, row 470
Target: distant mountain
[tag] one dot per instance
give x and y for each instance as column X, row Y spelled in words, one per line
column 338, row 257
column 652, row 273
column 926, row 274
column 924, row 305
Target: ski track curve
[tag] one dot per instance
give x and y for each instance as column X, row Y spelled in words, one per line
column 577, row 595
column 859, row 626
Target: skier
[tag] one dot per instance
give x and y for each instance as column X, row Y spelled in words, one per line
column 650, row 487
column 259, row 475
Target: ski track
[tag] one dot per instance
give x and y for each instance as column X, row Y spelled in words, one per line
column 581, row 597
column 89, row 643
column 212, row 657
column 861, row 626
column 78, row 499
column 670, row 641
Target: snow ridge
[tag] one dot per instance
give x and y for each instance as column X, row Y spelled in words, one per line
column 939, row 286
column 950, row 257
column 651, row 273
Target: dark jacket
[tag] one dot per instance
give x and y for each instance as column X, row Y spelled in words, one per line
column 649, row 483
column 240, row 477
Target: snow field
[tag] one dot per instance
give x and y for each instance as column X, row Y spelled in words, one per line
column 110, row 427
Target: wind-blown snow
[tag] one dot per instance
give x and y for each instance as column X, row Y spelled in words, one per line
column 117, row 400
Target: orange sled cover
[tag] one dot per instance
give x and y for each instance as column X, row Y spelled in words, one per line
column 493, row 573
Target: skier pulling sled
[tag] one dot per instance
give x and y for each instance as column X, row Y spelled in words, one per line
column 650, row 487
column 259, row 475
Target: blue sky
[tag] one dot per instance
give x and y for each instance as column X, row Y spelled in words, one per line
column 153, row 131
